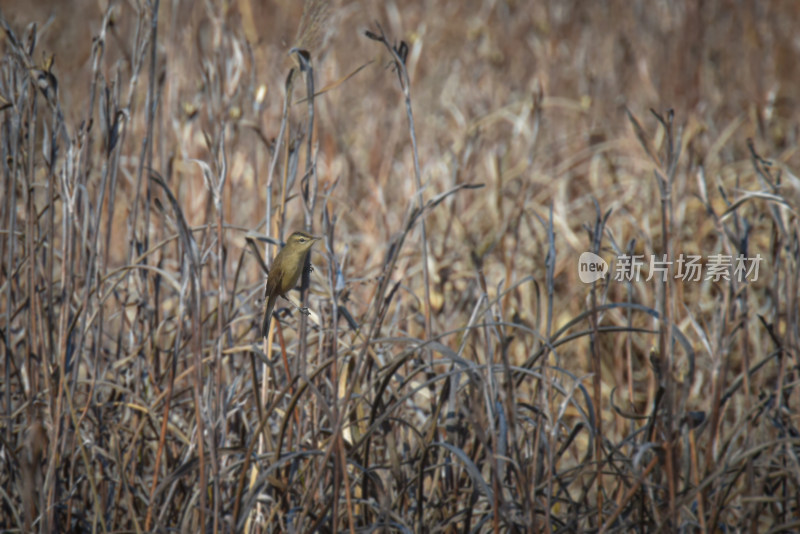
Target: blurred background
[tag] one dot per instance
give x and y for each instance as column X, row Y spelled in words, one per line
column 679, row 117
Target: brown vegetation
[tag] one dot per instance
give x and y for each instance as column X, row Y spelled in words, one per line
column 454, row 373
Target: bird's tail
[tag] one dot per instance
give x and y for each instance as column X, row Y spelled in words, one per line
column 267, row 316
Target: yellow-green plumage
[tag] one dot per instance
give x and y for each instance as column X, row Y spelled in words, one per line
column 285, row 272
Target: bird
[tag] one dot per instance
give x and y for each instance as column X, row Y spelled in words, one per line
column 285, row 272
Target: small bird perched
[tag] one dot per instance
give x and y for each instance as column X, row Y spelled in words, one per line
column 285, row 272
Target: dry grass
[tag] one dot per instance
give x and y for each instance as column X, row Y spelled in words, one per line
column 454, row 374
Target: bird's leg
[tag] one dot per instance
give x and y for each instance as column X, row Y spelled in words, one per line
column 301, row 309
